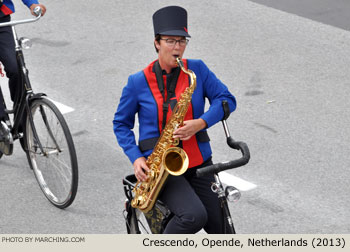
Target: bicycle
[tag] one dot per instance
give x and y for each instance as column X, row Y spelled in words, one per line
column 155, row 220
column 42, row 131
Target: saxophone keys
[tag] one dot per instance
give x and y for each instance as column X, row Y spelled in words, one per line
column 142, row 187
column 152, row 174
column 137, row 201
column 140, row 200
column 147, row 188
column 134, row 203
column 153, row 167
column 156, row 161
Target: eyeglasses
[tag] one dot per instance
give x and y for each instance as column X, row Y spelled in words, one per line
column 172, row 42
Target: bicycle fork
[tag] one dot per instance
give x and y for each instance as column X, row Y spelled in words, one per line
column 219, row 190
column 44, row 117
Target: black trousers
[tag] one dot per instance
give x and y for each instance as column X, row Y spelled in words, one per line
column 193, row 203
column 8, row 59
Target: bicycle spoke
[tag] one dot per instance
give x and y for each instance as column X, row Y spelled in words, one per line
column 54, row 164
column 43, row 114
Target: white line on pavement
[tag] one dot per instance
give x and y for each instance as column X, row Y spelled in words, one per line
column 239, row 183
column 63, row 108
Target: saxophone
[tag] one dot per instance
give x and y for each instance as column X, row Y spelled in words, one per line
column 166, row 158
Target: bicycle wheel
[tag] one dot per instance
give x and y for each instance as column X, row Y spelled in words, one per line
column 55, row 164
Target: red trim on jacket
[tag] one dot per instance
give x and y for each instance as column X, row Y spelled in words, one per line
column 190, row 146
column 152, row 82
column 6, row 10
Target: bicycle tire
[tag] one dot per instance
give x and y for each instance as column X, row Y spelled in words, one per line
column 56, row 170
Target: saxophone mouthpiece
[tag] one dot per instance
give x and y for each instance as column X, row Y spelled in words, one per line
column 179, row 62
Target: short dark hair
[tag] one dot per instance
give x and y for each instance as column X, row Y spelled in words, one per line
column 157, row 38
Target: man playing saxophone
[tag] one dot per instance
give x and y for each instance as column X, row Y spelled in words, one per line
column 153, row 94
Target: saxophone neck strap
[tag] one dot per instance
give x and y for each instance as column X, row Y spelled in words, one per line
column 171, row 85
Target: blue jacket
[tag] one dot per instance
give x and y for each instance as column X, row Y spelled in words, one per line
column 137, row 98
column 8, row 8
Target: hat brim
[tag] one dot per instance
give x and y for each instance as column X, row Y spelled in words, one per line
column 175, row 33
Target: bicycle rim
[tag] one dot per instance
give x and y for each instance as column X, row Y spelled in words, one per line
column 55, row 168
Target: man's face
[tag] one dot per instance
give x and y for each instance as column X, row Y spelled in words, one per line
column 170, row 47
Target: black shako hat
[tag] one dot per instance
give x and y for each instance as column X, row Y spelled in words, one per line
column 170, row 20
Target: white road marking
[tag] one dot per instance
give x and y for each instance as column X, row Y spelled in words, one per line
column 239, row 183
column 63, row 108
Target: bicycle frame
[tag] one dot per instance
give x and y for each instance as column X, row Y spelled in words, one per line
column 21, row 104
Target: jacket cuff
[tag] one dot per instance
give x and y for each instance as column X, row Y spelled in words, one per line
column 134, row 154
column 208, row 120
column 30, row 2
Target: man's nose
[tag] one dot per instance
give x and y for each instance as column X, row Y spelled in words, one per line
column 177, row 44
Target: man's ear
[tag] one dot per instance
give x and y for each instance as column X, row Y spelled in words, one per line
column 156, row 44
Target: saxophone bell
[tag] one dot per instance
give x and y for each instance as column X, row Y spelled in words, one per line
column 175, row 161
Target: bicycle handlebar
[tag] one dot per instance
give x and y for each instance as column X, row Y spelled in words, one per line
column 216, row 168
column 37, row 11
column 243, row 147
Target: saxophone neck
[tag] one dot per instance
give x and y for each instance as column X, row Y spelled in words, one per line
column 181, row 65
column 187, row 71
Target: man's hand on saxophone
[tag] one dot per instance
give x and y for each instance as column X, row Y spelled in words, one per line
column 189, row 128
column 140, row 169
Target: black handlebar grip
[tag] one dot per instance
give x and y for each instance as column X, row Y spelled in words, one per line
column 226, row 109
column 232, row 143
column 216, row 168
column 211, row 169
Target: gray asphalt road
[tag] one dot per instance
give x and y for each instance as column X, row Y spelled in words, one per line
column 289, row 74
column 332, row 12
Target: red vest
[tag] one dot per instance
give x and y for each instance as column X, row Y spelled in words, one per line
column 190, row 146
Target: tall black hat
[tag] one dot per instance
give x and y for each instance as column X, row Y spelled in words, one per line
column 170, row 20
